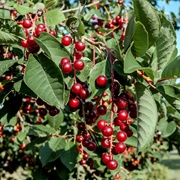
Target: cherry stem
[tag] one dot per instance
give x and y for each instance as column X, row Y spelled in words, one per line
column 94, row 56
column 45, row 22
column 112, row 95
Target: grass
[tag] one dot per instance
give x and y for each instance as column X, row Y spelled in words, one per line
column 173, row 163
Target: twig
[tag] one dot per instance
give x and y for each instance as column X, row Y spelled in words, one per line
column 81, row 7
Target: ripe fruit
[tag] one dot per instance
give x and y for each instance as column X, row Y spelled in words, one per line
column 79, row 139
column 84, row 93
column 120, row 147
column 52, row 32
column 117, row 121
column 81, row 126
column 67, row 68
column 80, row 46
column 106, row 157
column 105, row 143
column 124, row 127
column 121, row 136
column 42, row 111
column 122, row 115
column 121, row 103
column 101, row 80
column 107, row 131
column 112, row 164
column 82, row 162
column 65, row 60
column 76, row 88
column 91, row 146
column 66, row 40
column 78, row 54
column 101, row 109
column 26, row 23
column 24, row 43
column 74, row 102
column 79, row 64
column 30, row 40
column 101, row 123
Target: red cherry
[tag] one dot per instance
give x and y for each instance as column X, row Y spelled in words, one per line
column 53, row 112
column 67, row 68
column 74, row 103
column 76, row 88
column 24, row 43
column 64, row 60
column 86, row 134
column 42, row 111
column 105, row 143
column 82, row 162
column 39, row 102
column 41, row 25
column 120, row 2
column 101, row 123
column 118, row 18
column 79, row 64
column 129, row 132
column 120, row 147
column 30, row 40
column 38, row 31
column 121, row 136
column 80, row 46
column 101, row 80
column 106, row 157
column 101, row 109
column 84, row 93
column 112, row 164
column 79, row 139
column 81, row 126
column 78, row 54
column 121, row 103
column 66, row 40
column 85, row 156
column 26, row 23
column 124, row 127
column 85, row 142
column 123, row 115
column 52, row 32
column 91, row 146
column 117, row 121
column 107, row 131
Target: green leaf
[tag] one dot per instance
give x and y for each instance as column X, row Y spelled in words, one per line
column 132, row 141
column 41, row 130
column 146, row 14
column 10, row 108
column 147, row 116
column 52, row 47
column 22, row 88
column 166, row 128
column 4, row 14
column 141, row 40
column 22, row 9
column 21, row 135
column 172, row 70
column 130, row 63
column 45, row 79
column 102, row 68
column 10, row 32
column 55, row 121
column 54, row 17
column 165, row 44
column 69, row 156
column 129, row 33
column 49, row 3
column 6, row 64
column 51, row 150
column 171, row 94
column 80, row 28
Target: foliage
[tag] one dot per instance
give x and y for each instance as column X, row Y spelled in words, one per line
column 76, row 77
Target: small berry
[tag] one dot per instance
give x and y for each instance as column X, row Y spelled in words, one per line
column 79, row 64
column 74, row 102
column 112, row 164
column 107, row 131
column 101, row 109
column 80, row 46
column 120, row 147
column 101, row 123
column 121, row 136
column 123, row 115
column 101, row 80
column 105, row 143
column 67, row 68
column 66, row 40
column 65, row 60
column 106, row 157
column 76, row 88
column 26, row 23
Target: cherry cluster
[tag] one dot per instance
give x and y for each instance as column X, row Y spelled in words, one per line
column 32, row 30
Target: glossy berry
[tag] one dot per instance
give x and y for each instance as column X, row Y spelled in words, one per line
column 52, row 32
column 121, row 103
column 120, row 2
column 129, row 132
column 107, row 131
column 91, row 146
column 81, row 126
column 117, row 121
column 105, row 143
column 101, row 80
column 41, row 25
column 79, row 139
column 106, row 157
column 26, row 23
column 121, row 136
column 76, row 88
column 66, row 40
column 101, row 109
column 85, row 156
column 79, row 64
column 67, row 68
column 123, row 115
column 80, row 46
column 30, row 40
column 84, row 93
column 24, row 43
column 53, row 112
column 42, row 111
column 38, row 31
column 86, row 134
column 65, row 60
column 112, row 164
column 101, row 123
column 124, row 127
column 82, row 162
column 88, row 105
column 85, row 142
column 74, row 103
column 120, row 147
column 78, row 54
